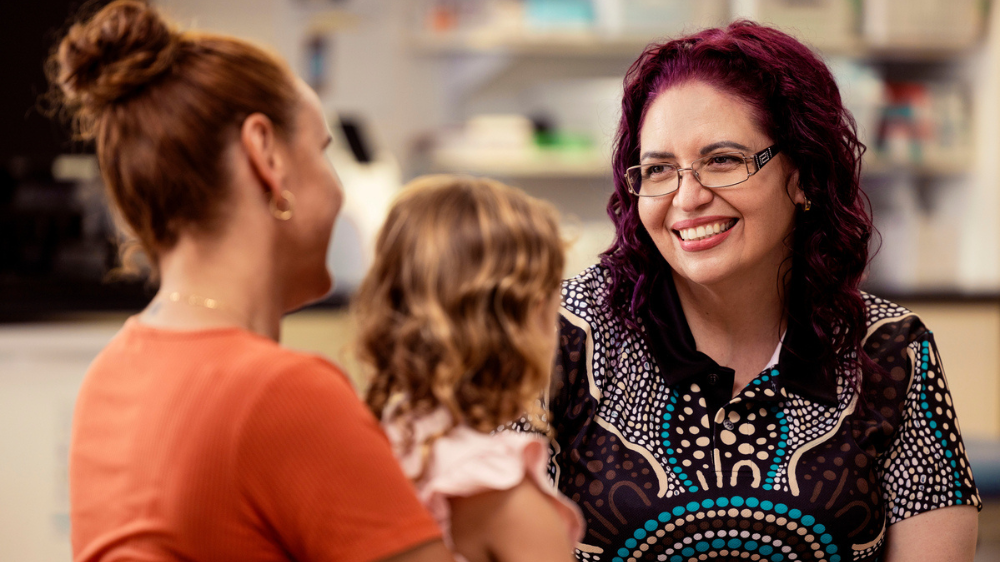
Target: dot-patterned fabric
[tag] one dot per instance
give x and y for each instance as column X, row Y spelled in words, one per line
column 667, row 465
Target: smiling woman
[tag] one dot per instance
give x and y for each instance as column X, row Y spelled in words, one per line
column 723, row 388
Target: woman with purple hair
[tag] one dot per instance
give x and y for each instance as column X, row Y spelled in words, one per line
column 723, row 389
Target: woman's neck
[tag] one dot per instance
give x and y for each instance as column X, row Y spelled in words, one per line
column 738, row 324
column 208, row 282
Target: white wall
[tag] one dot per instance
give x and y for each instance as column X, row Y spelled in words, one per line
column 41, row 367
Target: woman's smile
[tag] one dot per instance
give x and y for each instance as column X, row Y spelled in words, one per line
column 701, row 234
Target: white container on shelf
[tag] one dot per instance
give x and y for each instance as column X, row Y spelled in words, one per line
column 658, row 18
column 823, row 24
column 921, row 23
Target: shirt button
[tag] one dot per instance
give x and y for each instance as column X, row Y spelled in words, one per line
column 713, row 378
column 728, row 425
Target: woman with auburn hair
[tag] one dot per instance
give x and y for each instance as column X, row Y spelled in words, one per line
column 457, row 320
column 723, row 389
column 195, row 435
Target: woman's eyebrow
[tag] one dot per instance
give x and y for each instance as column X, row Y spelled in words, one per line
column 723, row 144
column 657, row 155
column 704, row 150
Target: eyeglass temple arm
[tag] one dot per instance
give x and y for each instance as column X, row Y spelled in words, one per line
column 765, row 156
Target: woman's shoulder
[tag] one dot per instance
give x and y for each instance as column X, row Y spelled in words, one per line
column 586, row 294
column 222, row 353
column 898, row 342
column 890, row 325
column 242, row 365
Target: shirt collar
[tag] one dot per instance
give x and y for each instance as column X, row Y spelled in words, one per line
column 672, row 346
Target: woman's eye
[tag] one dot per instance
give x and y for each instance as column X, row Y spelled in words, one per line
column 723, row 161
column 657, row 170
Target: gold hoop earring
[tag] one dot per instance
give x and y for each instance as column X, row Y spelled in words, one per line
column 288, row 211
column 807, row 205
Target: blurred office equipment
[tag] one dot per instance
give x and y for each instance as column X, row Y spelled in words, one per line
column 57, row 239
column 371, row 177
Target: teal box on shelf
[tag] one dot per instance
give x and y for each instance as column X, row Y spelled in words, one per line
column 559, row 14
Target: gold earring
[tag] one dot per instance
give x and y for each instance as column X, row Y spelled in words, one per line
column 807, row 205
column 288, row 211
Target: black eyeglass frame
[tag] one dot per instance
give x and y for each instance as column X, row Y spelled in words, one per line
column 759, row 159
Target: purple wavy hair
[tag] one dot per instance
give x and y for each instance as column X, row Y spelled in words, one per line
column 796, row 101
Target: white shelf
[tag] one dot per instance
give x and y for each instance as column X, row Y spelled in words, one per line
column 533, row 163
column 592, row 44
column 561, row 44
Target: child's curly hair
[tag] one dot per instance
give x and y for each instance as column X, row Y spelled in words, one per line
column 445, row 314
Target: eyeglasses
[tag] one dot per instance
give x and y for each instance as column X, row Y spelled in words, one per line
column 718, row 170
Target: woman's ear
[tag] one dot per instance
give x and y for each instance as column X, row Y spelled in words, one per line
column 260, row 143
column 794, row 189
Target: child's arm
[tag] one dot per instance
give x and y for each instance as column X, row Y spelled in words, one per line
column 519, row 524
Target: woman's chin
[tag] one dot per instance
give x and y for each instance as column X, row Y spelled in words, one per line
column 307, row 292
column 704, row 274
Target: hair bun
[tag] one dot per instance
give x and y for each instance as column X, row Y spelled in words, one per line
column 113, row 55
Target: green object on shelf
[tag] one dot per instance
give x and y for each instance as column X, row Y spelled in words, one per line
column 563, row 141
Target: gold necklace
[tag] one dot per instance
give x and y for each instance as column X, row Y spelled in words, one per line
column 196, row 300
column 192, row 299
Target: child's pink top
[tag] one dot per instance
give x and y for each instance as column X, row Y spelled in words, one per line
column 464, row 462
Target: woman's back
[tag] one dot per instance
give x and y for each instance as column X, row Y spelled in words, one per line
column 220, row 445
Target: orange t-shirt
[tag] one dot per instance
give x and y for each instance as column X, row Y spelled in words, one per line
column 220, row 445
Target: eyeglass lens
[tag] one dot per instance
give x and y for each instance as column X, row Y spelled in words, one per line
column 717, row 170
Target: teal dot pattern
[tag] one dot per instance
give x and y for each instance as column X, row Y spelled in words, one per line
column 672, row 461
column 775, row 463
column 769, row 539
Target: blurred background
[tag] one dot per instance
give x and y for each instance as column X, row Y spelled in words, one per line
column 526, row 91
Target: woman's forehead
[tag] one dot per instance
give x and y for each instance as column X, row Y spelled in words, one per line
column 695, row 114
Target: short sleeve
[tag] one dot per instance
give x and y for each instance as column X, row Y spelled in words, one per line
column 320, row 474
column 466, row 462
column 925, row 466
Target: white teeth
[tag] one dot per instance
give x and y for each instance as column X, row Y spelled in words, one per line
column 704, row 231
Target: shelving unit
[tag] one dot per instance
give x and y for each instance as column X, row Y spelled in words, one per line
column 518, row 60
column 567, row 44
column 593, row 44
column 537, row 163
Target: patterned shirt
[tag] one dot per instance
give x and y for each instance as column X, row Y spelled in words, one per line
column 667, row 465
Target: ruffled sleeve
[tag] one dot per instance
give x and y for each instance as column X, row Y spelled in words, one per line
column 464, row 462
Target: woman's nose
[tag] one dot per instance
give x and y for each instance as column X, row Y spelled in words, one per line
column 691, row 195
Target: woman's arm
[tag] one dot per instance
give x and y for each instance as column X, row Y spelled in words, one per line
column 515, row 525
column 947, row 534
